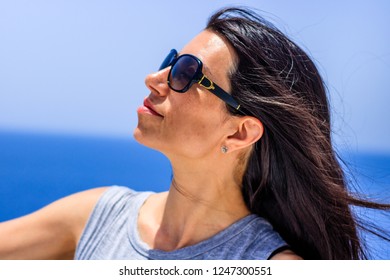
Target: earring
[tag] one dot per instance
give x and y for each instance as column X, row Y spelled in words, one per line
column 224, row 149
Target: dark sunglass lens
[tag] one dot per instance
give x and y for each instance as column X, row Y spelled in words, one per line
column 168, row 60
column 183, row 72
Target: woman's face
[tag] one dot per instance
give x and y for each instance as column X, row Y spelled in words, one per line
column 191, row 124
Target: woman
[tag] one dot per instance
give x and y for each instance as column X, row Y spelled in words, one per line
column 242, row 115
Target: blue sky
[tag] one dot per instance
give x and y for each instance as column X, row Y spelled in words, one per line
column 78, row 66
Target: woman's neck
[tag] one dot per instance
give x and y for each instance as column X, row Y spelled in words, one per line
column 200, row 203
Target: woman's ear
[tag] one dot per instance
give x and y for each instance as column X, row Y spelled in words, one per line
column 248, row 131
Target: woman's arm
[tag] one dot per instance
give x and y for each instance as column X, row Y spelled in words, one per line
column 50, row 233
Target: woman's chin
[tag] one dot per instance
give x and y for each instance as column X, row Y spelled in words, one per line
column 145, row 140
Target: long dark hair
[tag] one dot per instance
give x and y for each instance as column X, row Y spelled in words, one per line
column 293, row 177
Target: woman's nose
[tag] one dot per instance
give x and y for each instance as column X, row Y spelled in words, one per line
column 157, row 82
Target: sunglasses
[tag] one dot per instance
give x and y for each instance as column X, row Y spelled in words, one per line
column 186, row 70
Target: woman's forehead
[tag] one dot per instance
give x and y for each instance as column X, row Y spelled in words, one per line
column 206, row 45
column 217, row 55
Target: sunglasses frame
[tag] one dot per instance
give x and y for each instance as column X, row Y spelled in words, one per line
column 198, row 78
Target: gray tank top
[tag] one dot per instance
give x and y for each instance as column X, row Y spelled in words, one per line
column 111, row 233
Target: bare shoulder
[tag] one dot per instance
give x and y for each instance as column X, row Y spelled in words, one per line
column 51, row 232
column 286, row 255
column 78, row 205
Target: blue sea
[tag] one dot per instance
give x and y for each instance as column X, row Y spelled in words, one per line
column 36, row 169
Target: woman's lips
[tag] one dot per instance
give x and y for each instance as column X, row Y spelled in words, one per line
column 148, row 108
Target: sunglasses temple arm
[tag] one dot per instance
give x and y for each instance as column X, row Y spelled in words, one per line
column 219, row 92
column 225, row 97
